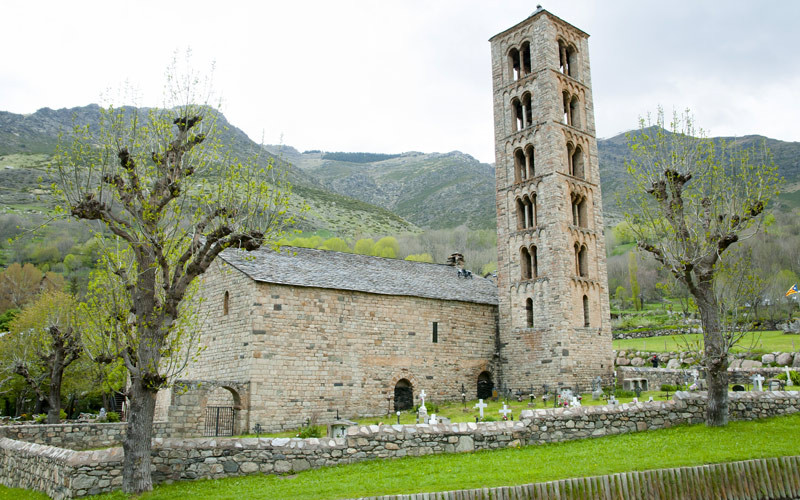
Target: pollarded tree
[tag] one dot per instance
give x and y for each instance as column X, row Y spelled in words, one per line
column 174, row 196
column 690, row 199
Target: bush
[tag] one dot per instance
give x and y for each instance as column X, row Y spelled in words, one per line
column 624, row 394
column 62, row 414
column 669, row 388
column 112, row 416
column 313, row 431
column 795, row 377
column 40, row 418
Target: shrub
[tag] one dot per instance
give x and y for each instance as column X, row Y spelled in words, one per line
column 795, row 377
column 40, row 418
column 313, row 431
column 669, row 387
column 620, row 393
column 112, row 416
column 62, row 414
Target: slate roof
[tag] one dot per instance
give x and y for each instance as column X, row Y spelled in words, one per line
column 346, row 271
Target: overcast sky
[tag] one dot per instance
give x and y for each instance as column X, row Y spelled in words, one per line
column 390, row 77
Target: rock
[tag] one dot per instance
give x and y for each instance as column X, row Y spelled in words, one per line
column 793, row 327
column 623, row 354
column 673, row 364
column 796, row 362
column 768, row 358
column 736, row 363
column 622, row 362
column 784, row 359
column 465, row 443
column 749, row 364
column 689, row 361
column 637, row 362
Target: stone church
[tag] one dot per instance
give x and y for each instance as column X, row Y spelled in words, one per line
column 308, row 335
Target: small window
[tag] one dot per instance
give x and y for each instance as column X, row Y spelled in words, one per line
column 585, row 311
column 529, row 312
column 225, row 303
column 435, row 337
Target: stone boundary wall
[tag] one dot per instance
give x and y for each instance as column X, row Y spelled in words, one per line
column 77, row 436
column 661, row 332
column 66, row 473
column 760, row 479
column 658, row 376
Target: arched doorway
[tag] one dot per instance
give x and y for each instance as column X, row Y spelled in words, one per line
column 485, row 385
column 403, row 395
column 221, row 406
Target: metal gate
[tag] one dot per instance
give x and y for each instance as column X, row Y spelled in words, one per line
column 219, row 421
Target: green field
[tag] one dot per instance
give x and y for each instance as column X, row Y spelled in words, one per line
column 676, row 447
column 756, row 342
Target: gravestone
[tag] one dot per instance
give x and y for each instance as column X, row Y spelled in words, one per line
column 597, row 388
column 422, row 413
column 738, row 388
column 480, row 405
column 757, row 380
column 574, row 402
column 774, row 385
column 505, row 411
column 433, row 420
column 612, row 401
column 788, row 377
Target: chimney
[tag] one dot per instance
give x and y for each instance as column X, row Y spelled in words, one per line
column 456, row 260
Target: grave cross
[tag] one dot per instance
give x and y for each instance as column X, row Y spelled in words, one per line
column 788, row 376
column 422, row 397
column 480, row 405
column 757, row 379
column 505, row 411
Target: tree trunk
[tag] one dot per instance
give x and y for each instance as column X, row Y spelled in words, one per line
column 54, row 398
column 716, row 355
column 136, row 476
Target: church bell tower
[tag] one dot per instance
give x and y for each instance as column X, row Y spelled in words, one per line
column 551, row 265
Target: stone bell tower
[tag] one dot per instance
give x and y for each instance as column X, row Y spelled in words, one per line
column 551, row 258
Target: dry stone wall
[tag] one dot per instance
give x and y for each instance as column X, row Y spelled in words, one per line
column 77, row 436
column 66, row 473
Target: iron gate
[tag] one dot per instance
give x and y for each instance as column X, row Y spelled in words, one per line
column 219, row 421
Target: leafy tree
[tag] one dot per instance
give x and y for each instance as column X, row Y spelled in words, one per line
column 364, row 246
column 44, row 340
column 386, row 247
column 335, row 244
column 689, row 201
column 174, row 197
column 420, row 257
column 620, row 295
column 20, row 284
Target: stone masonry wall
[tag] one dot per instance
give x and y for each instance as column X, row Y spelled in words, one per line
column 66, row 473
column 658, row 376
column 557, row 348
column 307, row 352
column 77, row 436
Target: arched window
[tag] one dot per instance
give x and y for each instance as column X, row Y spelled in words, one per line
column 517, row 115
column 565, row 105
column 567, row 59
column 225, row 303
column 525, row 263
column 533, row 212
column 529, row 312
column 520, row 215
column 570, row 151
column 530, row 164
column 579, row 214
column 514, row 65
column 527, row 110
column 581, row 261
column 534, row 262
column 585, row 311
column 577, row 163
column 403, row 395
column 525, row 55
column 574, row 112
column 519, row 166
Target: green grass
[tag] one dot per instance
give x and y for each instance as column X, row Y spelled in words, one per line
column 455, row 411
column 756, row 342
column 676, row 447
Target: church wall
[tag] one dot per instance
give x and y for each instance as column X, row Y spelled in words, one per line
column 315, row 351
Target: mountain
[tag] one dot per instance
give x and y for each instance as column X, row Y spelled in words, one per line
column 434, row 190
column 28, row 141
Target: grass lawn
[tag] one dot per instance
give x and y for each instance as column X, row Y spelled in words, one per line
column 456, row 413
column 758, row 342
column 679, row 446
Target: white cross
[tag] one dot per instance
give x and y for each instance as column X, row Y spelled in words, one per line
column 422, row 396
column 757, row 379
column 480, row 405
column 506, row 410
column 788, row 377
